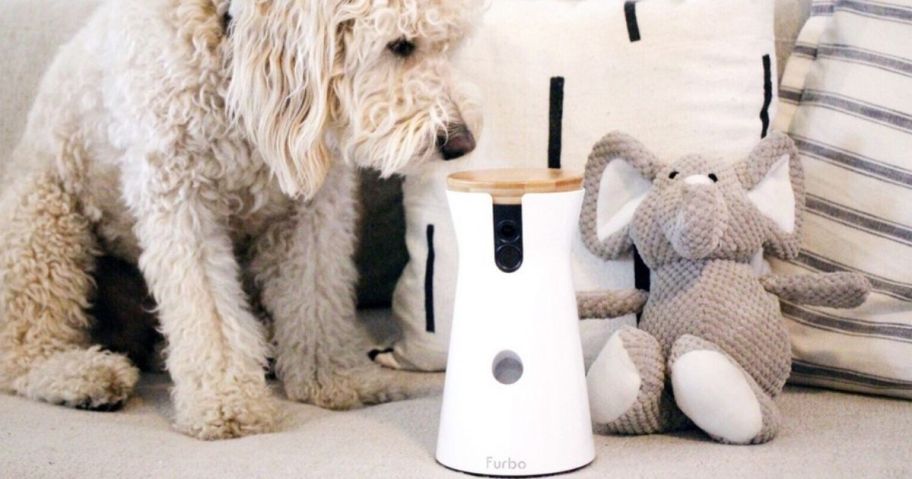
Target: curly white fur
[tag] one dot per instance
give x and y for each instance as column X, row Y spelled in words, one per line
column 160, row 137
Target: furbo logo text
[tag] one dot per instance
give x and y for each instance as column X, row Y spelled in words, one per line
column 507, row 463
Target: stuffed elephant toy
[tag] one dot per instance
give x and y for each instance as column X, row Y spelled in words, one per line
column 712, row 348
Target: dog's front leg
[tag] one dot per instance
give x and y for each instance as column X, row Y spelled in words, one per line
column 306, row 272
column 216, row 348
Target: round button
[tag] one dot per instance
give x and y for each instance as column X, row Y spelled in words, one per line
column 507, row 367
column 509, row 258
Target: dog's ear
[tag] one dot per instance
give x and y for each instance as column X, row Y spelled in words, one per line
column 284, row 56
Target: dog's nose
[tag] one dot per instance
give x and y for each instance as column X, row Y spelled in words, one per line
column 457, row 143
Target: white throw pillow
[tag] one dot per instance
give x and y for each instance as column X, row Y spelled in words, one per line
column 847, row 102
column 683, row 76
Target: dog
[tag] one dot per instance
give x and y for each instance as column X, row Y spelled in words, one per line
column 214, row 143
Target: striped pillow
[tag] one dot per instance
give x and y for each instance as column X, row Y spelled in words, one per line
column 846, row 99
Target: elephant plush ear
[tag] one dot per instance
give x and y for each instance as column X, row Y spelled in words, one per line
column 619, row 176
column 773, row 178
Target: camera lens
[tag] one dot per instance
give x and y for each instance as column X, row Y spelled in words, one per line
column 509, row 258
column 508, row 231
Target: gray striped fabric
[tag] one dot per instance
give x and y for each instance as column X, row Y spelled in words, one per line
column 846, row 99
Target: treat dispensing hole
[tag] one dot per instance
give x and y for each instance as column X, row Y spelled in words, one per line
column 507, row 367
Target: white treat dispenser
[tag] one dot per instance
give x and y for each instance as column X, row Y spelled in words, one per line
column 515, row 401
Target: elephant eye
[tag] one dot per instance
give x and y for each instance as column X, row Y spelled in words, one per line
column 401, row 47
column 713, row 177
column 673, row 175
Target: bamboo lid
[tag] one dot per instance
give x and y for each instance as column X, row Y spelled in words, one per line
column 507, row 186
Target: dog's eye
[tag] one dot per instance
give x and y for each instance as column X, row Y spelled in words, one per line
column 673, row 174
column 401, row 47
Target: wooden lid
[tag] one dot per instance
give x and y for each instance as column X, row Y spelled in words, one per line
column 507, row 186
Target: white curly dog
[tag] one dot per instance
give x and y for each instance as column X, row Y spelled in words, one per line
column 215, row 142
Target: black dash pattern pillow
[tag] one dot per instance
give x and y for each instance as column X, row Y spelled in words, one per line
column 556, row 75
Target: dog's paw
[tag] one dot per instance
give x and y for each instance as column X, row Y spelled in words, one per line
column 337, row 389
column 348, row 388
column 90, row 379
column 225, row 411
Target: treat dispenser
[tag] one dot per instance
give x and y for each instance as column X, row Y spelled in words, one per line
column 515, row 401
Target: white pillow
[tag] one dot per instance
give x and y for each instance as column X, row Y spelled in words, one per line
column 847, row 102
column 683, row 76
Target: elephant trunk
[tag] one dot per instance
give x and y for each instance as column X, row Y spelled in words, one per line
column 695, row 230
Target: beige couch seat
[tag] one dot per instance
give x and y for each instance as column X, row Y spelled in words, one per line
column 826, row 434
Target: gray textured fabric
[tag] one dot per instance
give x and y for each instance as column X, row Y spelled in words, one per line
column 654, row 410
column 594, row 304
column 772, row 419
column 836, row 290
column 698, row 232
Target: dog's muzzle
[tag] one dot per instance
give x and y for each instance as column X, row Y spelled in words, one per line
column 457, row 142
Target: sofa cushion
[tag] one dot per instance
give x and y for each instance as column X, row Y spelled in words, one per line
column 847, row 92
column 30, row 41
column 556, row 82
